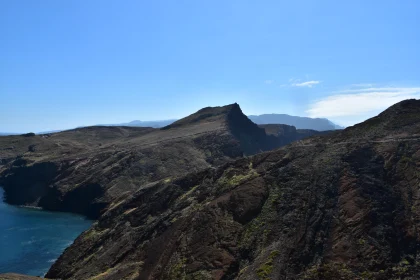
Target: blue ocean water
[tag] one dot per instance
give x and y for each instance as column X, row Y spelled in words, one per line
column 31, row 240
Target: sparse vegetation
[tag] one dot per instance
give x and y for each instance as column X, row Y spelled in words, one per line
column 177, row 270
column 266, row 268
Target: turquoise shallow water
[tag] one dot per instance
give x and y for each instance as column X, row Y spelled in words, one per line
column 31, row 240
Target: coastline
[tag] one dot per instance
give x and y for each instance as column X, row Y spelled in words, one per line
column 28, row 230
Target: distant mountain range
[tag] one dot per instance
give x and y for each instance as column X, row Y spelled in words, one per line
column 154, row 124
column 298, row 122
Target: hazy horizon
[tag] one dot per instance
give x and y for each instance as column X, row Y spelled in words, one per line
column 76, row 63
column 128, row 123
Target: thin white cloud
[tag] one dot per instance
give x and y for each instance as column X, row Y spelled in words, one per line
column 351, row 105
column 399, row 90
column 306, row 84
column 361, row 85
column 268, row 82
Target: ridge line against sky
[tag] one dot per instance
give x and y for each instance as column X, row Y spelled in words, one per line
column 65, row 64
column 350, row 106
column 355, row 103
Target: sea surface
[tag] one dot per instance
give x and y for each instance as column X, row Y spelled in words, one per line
column 31, row 239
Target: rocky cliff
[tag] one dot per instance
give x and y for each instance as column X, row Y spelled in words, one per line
column 288, row 133
column 338, row 206
column 86, row 170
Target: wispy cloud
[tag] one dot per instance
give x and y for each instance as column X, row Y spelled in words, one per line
column 306, row 84
column 268, row 82
column 365, row 85
column 351, row 105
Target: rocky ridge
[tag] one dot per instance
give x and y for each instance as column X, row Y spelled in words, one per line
column 338, row 206
column 88, row 169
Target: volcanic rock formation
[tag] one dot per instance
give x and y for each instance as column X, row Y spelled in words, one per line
column 338, row 206
column 87, row 169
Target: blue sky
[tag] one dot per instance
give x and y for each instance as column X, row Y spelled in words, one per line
column 75, row 62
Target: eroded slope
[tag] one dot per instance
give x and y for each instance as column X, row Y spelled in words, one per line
column 341, row 206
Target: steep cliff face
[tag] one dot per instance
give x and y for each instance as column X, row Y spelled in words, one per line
column 252, row 138
column 321, row 208
column 288, row 134
column 86, row 169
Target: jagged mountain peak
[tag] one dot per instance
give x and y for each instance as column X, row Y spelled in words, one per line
column 207, row 114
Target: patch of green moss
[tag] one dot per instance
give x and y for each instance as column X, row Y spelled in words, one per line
column 234, row 180
column 177, row 270
column 257, row 227
column 367, row 275
column 189, row 192
column 251, row 231
column 274, row 254
column 404, row 262
column 264, row 271
column 227, row 182
column 400, row 270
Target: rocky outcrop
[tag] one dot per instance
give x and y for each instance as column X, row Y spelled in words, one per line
column 339, row 206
